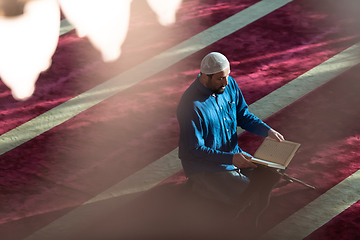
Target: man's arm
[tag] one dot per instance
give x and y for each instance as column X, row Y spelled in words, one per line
column 192, row 143
column 275, row 135
column 242, row 161
column 251, row 123
column 200, row 152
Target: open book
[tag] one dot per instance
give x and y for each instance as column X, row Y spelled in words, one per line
column 275, row 154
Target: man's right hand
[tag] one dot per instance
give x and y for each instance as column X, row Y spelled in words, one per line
column 242, row 161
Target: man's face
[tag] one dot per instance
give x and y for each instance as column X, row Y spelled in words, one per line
column 218, row 82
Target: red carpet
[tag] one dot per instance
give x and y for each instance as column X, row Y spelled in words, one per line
column 73, row 162
column 329, row 153
column 343, row 226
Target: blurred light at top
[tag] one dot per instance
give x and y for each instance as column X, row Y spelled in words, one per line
column 30, row 32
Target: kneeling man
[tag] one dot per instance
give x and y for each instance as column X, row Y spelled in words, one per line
column 208, row 114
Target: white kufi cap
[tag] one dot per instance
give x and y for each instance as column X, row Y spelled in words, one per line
column 214, row 62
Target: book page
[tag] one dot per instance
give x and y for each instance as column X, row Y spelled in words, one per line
column 267, row 163
column 278, row 152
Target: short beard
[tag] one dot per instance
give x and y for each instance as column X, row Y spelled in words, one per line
column 220, row 90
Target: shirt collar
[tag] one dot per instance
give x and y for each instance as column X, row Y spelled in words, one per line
column 204, row 89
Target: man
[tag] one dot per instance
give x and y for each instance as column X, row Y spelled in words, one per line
column 208, row 114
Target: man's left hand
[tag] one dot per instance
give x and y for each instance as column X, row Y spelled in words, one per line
column 275, row 135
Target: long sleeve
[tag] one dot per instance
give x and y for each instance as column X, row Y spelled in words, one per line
column 192, row 138
column 208, row 127
column 247, row 120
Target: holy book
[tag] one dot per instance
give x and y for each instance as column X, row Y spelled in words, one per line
column 275, row 154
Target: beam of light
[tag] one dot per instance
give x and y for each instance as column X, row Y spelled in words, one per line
column 165, row 10
column 27, row 44
column 104, row 22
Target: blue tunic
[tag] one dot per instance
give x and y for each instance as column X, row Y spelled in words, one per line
column 208, row 127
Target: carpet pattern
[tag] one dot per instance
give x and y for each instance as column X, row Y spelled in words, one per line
column 50, row 175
